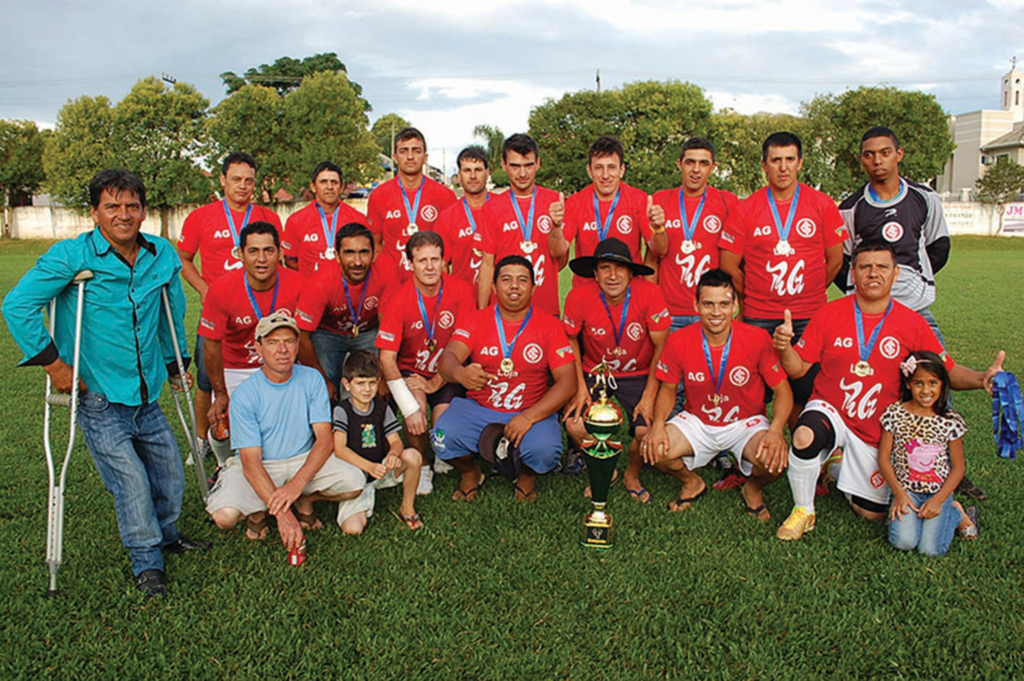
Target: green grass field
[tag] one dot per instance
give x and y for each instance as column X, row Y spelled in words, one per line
column 499, row 590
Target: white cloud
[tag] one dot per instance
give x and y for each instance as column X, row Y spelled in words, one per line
column 749, row 103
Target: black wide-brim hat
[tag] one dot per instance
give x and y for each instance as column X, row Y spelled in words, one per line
column 504, row 457
column 609, row 250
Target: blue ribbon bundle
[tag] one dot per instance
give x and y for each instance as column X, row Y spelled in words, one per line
column 1007, row 411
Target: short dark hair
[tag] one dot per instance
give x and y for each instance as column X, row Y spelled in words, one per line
column 880, row 131
column 353, row 230
column 473, row 152
column 409, row 133
column 258, row 227
column 716, row 278
column 326, row 165
column 697, row 143
column 782, row 139
column 237, row 157
column 421, row 239
column 933, row 364
column 522, row 144
column 115, row 180
column 360, row 364
column 873, row 246
column 513, row 260
column 606, row 145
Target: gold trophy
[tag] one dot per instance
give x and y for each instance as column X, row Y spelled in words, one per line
column 602, row 420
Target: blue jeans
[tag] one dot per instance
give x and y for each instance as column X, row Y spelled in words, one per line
column 333, row 348
column 138, row 460
column 931, row 537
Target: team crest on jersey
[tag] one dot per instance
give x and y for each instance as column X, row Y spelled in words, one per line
column 892, row 231
column 428, row 213
column 207, row 324
column 712, row 224
column 877, row 481
column 386, row 336
column 739, row 376
column 805, row 228
column 371, row 303
column 544, row 224
column 312, row 236
column 624, row 224
column 446, row 320
column 533, row 353
column 889, row 347
column 635, row 331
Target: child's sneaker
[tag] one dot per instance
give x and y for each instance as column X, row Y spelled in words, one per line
column 426, row 485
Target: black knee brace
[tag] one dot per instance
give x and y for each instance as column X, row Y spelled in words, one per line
column 824, row 435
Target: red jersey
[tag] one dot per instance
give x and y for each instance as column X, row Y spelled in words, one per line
column 228, row 314
column 752, row 359
column 323, row 304
column 541, row 348
column 796, row 281
column 629, row 224
column 389, row 219
column 831, row 338
column 679, row 270
column 206, row 232
column 403, row 330
column 458, row 233
column 586, row 317
column 306, row 238
column 500, row 234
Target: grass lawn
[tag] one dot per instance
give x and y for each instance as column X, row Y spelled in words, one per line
column 497, row 589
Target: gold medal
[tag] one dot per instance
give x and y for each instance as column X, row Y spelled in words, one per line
column 783, row 248
column 507, row 366
column 431, row 345
column 329, row 254
column 237, row 253
column 411, row 229
column 862, row 368
column 716, row 399
column 688, row 247
column 528, row 247
column 619, row 352
column 355, row 331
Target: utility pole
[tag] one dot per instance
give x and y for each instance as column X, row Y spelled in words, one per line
column 599, row 81
column 394, row 171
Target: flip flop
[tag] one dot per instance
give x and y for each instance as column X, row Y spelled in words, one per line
column 257, row 528
column 687, row 500
column 413, row 522
column 522, row 495
column 638, row 494
column 756, row 511
column 308, row 521
column 463, row 495
column 971, row 531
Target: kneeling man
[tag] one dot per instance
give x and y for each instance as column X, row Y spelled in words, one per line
column 722, row 364
column 281, row 425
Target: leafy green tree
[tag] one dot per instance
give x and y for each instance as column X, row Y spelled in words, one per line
column 835, row 123
column 81, row 145
column 738, row 139
column 494, row 141
column 325, row 118
column 1002, row 184
column 286, row 73
column 384, row 128
column 250, row 120
column 21, row 162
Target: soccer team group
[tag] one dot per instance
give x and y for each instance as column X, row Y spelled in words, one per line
column 703, row 308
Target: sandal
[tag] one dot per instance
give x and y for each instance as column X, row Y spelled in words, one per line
column 308, row 521
column 522, row 495
column 674, row 505
column 470, row 494
column 971, row 531
column 413, row 522
column 256, row 530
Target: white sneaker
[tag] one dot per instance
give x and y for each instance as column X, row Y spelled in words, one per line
column 426, row 485
column 442, row 467
column 204, row 451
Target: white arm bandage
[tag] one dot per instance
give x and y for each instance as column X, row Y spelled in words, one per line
column 403, row 396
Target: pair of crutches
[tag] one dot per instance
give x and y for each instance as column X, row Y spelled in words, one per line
column 55, row 508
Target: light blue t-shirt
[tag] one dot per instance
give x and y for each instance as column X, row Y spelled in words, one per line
column 278, row 416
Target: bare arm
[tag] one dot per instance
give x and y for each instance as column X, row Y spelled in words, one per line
column 833, row 263
column 962, row 378
column 450, row 367
column 485, row 280
column 291, row 262
column 792, row 363
column 732, row 263
column 191, row 274
column 213, row 359
column 263, row 485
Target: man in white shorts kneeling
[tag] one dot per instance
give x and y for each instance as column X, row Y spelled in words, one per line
column 723, row 365
column 281, row 425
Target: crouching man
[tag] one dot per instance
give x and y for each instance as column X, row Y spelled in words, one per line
column 281, row 425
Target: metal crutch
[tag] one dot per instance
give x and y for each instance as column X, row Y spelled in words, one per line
column 182, row 382
column 55, row 511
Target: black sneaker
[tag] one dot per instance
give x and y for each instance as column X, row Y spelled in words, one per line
column 574, row 461
column 153, row 583
column 185, row 544
column 969, row 489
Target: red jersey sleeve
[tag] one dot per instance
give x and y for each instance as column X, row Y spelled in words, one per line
column 768, row 363
column 812, row 342
column 573, row 218
column 485, row 240
column 832, row 222
column 188, row 240
column 735, row 231
column 389, row 335
column 658, row 316
column 669, row 369
column 374, row 218
column 559, row 349
column 213, row 320
column 572, row 317
column 310, row 308
column 291, row 239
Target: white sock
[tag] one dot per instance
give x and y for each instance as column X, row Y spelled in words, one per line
column 426, row 484
column 803, row 475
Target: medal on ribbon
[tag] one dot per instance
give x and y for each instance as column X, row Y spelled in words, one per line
column 525, row 226
column 783, row 248
column 428, row 325
column 863, row 368
column 602, row 231
column 717, row 380
column 690, row 228
column 237, row 250
column 619, row 351
column 329, row 230
column 412, row 211
column 356, row 313
column 507, row 366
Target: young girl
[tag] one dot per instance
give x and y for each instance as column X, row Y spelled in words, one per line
column 921, row 456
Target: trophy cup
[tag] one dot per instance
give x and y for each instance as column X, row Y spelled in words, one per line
column 602, row 420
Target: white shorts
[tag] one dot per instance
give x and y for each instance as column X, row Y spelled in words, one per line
column 235, row 377
column 364, row 502
column 707, row 441
column 858, row 474
column 233, row 490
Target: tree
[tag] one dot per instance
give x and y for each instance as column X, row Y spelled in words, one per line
column 21, row 162
column 250, row 120
column 325, row 118
column 1001, row 185
column 835, row 123
column 494, row 142
column 286, row 74
column 738, row 139
column 80, row 146
column 383, row 130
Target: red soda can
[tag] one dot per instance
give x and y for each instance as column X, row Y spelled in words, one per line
column 222, row 430
column 297, row 556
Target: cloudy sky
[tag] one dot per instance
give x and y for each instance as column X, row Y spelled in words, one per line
column 448, row 66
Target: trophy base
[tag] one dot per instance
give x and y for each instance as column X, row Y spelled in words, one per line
column 597, row 527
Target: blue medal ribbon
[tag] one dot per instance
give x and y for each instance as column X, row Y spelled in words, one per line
column 469, row 212
column 864, row 351
column 231, row 222
column 329, row 231
column 783, row 230
column 526, row 227
column 622, row 319
column 507, row 348
column 1007, row 411
column 356, row 313
column 690, row 228
column 602, row 232
column 412, row 211
column 717, row 380
column 899, row 195
column 427, row 324
column 252, row 297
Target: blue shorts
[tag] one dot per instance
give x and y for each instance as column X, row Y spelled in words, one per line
column 457, row 434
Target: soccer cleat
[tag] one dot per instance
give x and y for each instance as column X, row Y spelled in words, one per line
column 798, row 522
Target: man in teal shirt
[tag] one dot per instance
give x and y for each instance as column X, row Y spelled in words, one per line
column 126, row 355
